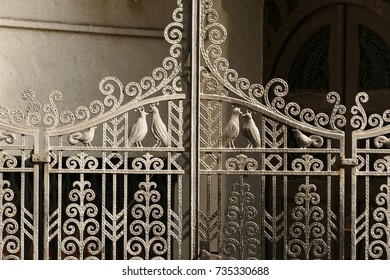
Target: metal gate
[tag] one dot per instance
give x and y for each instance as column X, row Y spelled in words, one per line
column 191, row 160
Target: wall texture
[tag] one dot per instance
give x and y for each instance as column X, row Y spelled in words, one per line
column 71, row 45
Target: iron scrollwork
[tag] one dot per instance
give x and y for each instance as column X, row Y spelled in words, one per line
column 307, row 230
column 241, row 228
column 147, row 229
column 10, row 244
column 81, row 227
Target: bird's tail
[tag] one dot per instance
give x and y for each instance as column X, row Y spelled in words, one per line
column 73, row 138
column 380, row 140
column 207, row 255
column 10, row 137
column 317, row 140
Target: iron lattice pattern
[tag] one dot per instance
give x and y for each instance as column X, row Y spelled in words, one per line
column 105, row 181
column 117, row 200
column 18, row 210
column 370, row 184
column 275, row 193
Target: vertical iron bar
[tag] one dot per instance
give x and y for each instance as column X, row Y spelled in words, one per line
column 59, row 201
column 353, row 202
column 285, row 194
column 329, row 200
column 262, row 194
column 342, row 201
column 125, row 210
column 104, row 191
column 115, row 215
column 367, row 201
column 180, row 214
column 125, row 192
column 22, row 197
column 169, row 206
column 194, row 178
column 274, row 217
column 46, row 194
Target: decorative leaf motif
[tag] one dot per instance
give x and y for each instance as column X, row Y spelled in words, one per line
column 307, row 231
column 210, row 123
column 307, row 163
column 241, row 229
column 147, row 162
column 241, row 162
column 115, row 131
column 147, row 230
column 175, row 123
column 81, row 228
column 81, row 161
column 274, row 135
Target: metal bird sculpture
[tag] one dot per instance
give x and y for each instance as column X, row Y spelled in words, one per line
column 139, row 129
column 232, row 128
column 86, row 138
column 7, row 136
column 381, row 141
column 159, row 130
column 204, row 255
column 305, row 141
column 250, row 131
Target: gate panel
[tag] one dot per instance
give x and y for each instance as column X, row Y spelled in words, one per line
column 19, row 195
column 272, row 186
column 118, row 181
column 370, row 184
column 110, row 199
column 277, row 200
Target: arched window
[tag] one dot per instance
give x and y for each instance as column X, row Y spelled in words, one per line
column 341, row 47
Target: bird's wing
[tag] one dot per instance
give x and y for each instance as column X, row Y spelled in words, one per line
column 74, row 137
column 252, row 133
column 134, row 133
column 161, row 132
column 88, row 136
column 229, row 132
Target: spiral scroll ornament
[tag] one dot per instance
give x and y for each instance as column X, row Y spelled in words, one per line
column 241, row 228
column 10, row 244
column 241, row 162
column 361, row 121
column 379, row 231
column 81, row 226
column 307, row 231
column 147, row 229
column 307, row 163
column 382, row 164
